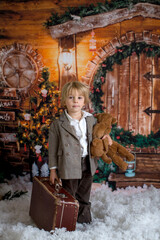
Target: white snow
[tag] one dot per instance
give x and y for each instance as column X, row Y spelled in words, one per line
column 124, row 214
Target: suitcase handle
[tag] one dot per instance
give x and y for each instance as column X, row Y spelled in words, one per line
column 57, row 186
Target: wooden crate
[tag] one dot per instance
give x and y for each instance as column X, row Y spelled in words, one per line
column 147, row 172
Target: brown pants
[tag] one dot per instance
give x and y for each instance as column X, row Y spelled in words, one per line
column 80, row 189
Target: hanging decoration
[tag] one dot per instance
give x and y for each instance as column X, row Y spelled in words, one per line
column 27, row 116
column 92, row 43
column 126, row 138
column 44, row 93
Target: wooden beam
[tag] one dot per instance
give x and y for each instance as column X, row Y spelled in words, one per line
column 102, row 20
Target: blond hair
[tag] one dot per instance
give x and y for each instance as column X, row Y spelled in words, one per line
column 79, row 86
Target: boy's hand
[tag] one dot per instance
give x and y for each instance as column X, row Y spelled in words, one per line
column 53, row 176
column 109, row 139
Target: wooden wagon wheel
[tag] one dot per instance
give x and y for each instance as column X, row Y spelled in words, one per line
column 21, row 66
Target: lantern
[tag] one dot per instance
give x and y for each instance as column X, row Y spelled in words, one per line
column 92, row 43
column 66, row 59
column 130, row 172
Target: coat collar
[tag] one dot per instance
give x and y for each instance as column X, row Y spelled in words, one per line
column 66, row 124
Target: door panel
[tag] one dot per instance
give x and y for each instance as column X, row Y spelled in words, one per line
column 145, row 94
column 133, row 106
column 128, row 93
column 123, row 79
column 156, row 95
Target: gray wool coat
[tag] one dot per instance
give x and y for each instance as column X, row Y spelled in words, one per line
column 65, row 149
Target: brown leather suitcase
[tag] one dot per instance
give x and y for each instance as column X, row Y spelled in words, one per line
column 52, row 207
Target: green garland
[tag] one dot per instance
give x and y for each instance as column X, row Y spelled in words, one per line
column 84, row 11
column 107, row 65
column 126, row 138
column 123, row 137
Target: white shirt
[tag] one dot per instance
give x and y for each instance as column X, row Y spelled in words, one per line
column 81, row 130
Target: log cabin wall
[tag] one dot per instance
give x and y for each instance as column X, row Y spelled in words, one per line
column 21, row 22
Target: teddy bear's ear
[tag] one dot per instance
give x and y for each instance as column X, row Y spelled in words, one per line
column 114, row 120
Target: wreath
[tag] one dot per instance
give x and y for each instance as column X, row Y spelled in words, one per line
column 125, row 138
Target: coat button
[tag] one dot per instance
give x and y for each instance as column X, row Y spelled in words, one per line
column 67, row 135
column 67, row 154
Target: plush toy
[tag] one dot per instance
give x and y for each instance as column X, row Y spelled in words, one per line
column 100, row 147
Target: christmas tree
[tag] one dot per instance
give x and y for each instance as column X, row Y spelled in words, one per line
column 34, row 123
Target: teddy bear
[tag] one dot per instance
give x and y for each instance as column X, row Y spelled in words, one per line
column 100, row 146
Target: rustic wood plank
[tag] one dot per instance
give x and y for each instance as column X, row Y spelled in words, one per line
column 7, row 116
column 8, row 93
column 156, row 96
column 137, row 184
column 123, row 114
column 8, row 137
column 145, row 94
column 9, row 104
column 110, row 89
column 104, row 19
column 139, row 177
column 133, row 92
column 148, row 166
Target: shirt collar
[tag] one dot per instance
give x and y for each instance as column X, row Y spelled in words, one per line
column 85, row 114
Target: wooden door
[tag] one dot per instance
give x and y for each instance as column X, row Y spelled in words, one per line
column 132, row 98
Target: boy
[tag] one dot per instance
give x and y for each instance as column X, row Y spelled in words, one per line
column 70, row 137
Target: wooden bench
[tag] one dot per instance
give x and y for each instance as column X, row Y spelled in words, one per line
column 147, row 172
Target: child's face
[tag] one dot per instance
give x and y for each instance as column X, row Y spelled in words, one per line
column 74, row 101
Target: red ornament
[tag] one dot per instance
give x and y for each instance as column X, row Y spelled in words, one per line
column 97, row 90
column 43, row 119
column 25, row 147
column 102, row 79
column 118, row 137
column 39, row 158
column 97, row 171
column 134, row 53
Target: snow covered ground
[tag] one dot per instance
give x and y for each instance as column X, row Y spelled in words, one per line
column 126, row 214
